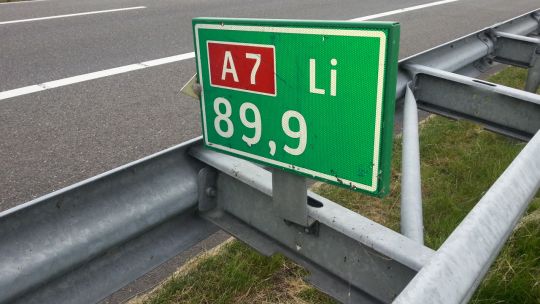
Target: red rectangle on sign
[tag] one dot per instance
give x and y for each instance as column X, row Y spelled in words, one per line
column 243, row 67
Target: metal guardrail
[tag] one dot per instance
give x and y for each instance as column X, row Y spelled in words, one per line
column 82, row 243
column 455, row 270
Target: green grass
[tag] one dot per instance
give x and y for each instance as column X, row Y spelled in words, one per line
column 459, row 163
column 512, row 77
column 515, row 276
column 238, row 274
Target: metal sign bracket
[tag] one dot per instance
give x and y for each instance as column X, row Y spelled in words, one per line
column 290, row 198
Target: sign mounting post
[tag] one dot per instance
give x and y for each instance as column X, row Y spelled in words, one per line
column 315, row 98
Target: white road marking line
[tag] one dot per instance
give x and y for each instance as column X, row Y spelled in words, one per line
column 403, row 10
column 21, row 2
column 170, row 59
column 93, row 75
column 166, row 60
column 90, row 76
column 73, row 15
column 20, row 91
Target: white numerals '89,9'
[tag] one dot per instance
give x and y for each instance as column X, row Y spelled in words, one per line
column 301, row 134
column 255, row 124
column 223, row 120
column 223, row 117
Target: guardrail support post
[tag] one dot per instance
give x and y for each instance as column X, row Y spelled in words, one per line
column 521, row 51
column 411, row 190
column 533, row 76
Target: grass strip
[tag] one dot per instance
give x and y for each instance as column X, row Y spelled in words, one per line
column 460, row 161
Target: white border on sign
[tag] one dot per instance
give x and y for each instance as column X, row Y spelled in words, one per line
column 307, row 31
column 247, row 44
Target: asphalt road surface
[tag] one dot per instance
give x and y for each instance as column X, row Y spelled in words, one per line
column 57, row 129
column 53, row 138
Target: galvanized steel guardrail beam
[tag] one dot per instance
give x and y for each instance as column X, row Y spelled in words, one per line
column 501, row 109
column 470, row 55
column 86, row 241
column 81, row 243
column 379, row 261
column 457, row 268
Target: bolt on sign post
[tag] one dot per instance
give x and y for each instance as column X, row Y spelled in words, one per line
column 315, row 98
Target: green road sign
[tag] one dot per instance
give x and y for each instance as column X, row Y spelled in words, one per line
column 314, row 98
